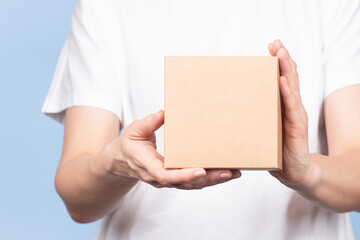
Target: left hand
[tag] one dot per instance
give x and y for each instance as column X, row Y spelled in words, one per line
column 298, row 170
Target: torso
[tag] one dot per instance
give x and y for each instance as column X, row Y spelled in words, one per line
column 256, row 206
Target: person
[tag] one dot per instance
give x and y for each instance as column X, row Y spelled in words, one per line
column 109, row 78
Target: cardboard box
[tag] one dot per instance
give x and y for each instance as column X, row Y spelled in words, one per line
column 222, row 112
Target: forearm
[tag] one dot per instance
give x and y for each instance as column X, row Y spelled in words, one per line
column 335, row 181
column 88, row 189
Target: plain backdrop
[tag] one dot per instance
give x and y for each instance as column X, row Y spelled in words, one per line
column 31, row 36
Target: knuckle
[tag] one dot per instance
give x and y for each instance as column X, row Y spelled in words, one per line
column 295, row 132
column 296, row 74
column 305, row 123
column 146, row 178
column 304, row 131
column 162, row 179
column 134, row 123
column 137, row 159
column 306, row 116
column 305, row 120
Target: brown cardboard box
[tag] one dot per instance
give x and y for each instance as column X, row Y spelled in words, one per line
column 222, row 112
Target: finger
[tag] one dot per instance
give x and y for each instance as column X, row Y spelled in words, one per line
column 270, row 48
column 146, row 127
column 217, row 175
column 287, row 65
column 292, row 62
column 208, row 180
column 274, row 47
column 213, row 177
column 281, row 45
column 144, row 176
column 277, row 175
column 235, row 174
column 292, row 112
column 291, row 74
column 287, row 70
column 278, row 49
column 153, row 163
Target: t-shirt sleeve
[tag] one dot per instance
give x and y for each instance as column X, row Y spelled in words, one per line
column 88, row 73
column 341, row 48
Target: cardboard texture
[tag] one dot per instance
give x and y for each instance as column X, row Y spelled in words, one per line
column 222, row 112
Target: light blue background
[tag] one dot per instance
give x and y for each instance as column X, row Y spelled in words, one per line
column 31, row 36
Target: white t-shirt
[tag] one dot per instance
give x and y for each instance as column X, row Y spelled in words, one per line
column 113, row 59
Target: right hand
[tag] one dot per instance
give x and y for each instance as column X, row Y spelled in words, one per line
column 134, row 157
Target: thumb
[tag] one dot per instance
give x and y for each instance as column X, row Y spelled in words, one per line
column 148, row 125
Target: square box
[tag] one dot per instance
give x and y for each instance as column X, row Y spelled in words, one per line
column 222, row 112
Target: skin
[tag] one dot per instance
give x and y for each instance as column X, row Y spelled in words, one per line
column 329, row 181
column 98, row 167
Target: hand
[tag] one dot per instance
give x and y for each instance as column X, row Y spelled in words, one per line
column 298, row 171
column 135, row 157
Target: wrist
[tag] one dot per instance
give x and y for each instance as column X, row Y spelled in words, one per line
column 106, row 165
column 313, row 178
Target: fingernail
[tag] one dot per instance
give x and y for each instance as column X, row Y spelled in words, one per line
column 225, row 175
column 156, row 114
column 199, row 173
